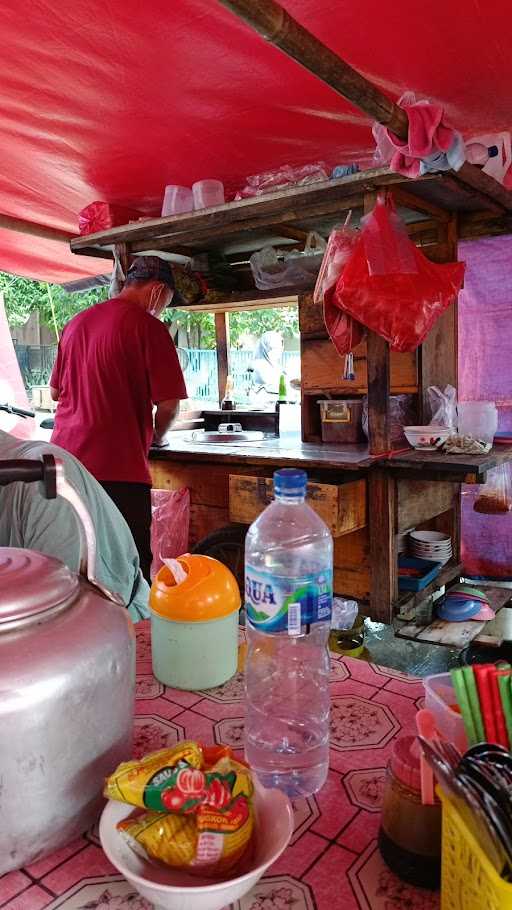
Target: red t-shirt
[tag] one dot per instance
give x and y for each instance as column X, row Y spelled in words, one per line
column 114, row 362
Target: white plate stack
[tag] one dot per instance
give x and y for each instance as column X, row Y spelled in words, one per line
column 431, row 545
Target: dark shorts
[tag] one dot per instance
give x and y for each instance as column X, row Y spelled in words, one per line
column 134, row 502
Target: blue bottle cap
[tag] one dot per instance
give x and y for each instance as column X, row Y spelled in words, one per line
column 290, row 482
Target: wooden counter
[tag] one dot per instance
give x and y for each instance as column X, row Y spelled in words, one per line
column 273, row 452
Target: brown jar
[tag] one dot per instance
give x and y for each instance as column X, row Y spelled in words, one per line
column 410, row 833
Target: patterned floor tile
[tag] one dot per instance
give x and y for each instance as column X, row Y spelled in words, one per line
column 329, row 883
column 377, row 888
column 90, row 862
column 152, row 732
column 34, row 898
column 358, row 723
column 279, row 892
column 11, row 884
column 366, row 788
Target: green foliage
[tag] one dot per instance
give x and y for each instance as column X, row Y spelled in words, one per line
column 255, row 322
column 23, row 296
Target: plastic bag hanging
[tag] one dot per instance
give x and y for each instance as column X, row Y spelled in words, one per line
column 390, row 287
column 340, row 245
column 495, row 497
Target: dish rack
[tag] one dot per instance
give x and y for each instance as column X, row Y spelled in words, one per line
column 468, row 879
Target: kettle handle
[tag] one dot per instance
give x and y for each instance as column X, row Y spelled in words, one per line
column 50, row 471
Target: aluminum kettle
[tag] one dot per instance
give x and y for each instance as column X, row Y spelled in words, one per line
column 67, row 683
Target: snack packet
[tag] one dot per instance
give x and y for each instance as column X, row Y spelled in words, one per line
column 207, row 794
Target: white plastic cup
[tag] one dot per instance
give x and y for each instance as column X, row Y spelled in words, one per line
column 208, row 193
column 177, row 200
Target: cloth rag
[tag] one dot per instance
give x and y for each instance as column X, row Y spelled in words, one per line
column 431, row 145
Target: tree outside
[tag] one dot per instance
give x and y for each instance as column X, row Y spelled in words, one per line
column 56, row 307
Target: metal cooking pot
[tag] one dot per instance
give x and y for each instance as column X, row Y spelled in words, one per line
column 67, row 680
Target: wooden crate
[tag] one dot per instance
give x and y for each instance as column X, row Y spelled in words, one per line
column 342, row 507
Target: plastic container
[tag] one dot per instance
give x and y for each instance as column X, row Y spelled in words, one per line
column 410, row 833
column 194, row 624
column 177, row 199
column 288, row 568
column 468, row 879
column 478, row 419
column 439, row 697
column 342, row 420
column 429, row 569
column 208, row 193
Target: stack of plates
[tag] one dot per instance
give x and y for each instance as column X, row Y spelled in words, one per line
column 431, row 545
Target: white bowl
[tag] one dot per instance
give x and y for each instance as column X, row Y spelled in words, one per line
column 430, row 537
column 426, row 437
column 173, row 889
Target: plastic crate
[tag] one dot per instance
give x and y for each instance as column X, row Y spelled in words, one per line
column 468, row 880
column 429, row 569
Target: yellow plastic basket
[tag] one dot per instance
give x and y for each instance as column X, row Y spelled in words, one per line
column 468, row 879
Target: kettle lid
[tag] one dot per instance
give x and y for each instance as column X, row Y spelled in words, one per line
column 32, row 583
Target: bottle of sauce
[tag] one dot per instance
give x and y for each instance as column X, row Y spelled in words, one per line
column 410, row 833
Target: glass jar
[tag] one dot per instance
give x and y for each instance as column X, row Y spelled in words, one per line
column 410, row 833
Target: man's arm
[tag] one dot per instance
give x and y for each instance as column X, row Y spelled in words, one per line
column 165, row 415
column 54, row 393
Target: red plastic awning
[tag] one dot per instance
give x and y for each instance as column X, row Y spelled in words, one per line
column 111, row 101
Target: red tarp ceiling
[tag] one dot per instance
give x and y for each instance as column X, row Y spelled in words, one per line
column 112, row 101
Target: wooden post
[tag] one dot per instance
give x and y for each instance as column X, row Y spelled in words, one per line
column 124, row 258
column 379, row 430
column 383, row 557
column 438, row 358
column 378, row 360
column 222, row 338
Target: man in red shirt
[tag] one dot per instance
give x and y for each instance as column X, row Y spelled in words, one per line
column 115, row 361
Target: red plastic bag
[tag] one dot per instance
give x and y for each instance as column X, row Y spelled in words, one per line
column 390, row 286
column 344, row 332
column 169, row 526
column 101, row 216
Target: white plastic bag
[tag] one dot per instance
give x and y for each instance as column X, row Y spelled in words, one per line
column 272, row 268
column 443, row 406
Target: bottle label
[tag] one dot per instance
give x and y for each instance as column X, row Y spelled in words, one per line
column 277, row 604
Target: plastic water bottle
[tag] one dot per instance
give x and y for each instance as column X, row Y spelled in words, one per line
column 288, row 580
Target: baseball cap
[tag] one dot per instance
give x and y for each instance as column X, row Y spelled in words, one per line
column 152, row 268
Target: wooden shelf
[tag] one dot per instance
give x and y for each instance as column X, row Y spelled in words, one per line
column 419, row 465
column 461, row 634
column 253, row 222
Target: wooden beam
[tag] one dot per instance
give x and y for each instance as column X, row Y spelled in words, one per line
column 222, row 338
column 418, row 204
column 484, row 185
column 274, row 24
column 19, row 226
column 253, row 300
column 270, row 20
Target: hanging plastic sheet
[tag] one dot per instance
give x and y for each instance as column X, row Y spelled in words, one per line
column 485, row 374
